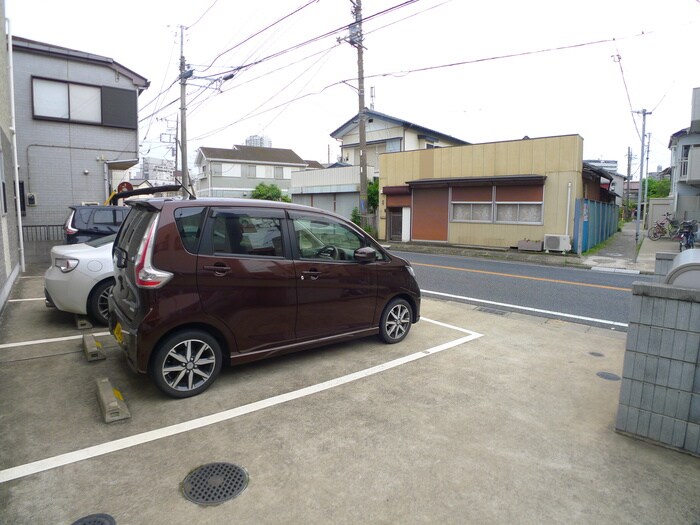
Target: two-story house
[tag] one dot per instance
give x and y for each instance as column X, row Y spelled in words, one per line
column 77, row 127
column 685, row 165
column 387, row 134
column 337, row 188
column 237, row 171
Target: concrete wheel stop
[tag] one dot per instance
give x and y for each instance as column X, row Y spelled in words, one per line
column 111, row 401
column 92, row 348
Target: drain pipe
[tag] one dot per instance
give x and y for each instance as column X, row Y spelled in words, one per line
column 568, row 206
column 13, row 131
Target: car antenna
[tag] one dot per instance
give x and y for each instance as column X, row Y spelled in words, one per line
column 192, row 195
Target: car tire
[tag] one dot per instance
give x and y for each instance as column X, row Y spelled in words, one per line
column 186, row 363
column 97, row 307
column 395, row 322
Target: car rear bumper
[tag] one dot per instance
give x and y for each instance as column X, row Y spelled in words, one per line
column 125, row 335
column 66, row 291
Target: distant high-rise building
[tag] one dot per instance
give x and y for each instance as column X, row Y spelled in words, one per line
column 260, row 141
column 158, row 171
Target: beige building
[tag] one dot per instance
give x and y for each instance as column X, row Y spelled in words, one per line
column 490, row 195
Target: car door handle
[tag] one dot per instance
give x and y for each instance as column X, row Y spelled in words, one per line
column 311, row 274
column 218, row 269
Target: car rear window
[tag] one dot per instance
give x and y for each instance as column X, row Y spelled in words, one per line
column 108, row 216
column 82, row 217
column 134, row 230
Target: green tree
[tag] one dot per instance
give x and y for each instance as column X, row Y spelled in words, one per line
column 373, row 195
column 658, row 188
column 269, row 192
column 355, row 216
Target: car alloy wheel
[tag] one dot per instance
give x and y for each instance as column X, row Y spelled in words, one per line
column 396, row 321
column 98, row 307
column 186, row 363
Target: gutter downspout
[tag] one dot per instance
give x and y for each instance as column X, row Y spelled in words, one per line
column 568, row 207
column 13, row 130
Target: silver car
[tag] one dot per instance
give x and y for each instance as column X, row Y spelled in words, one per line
column 80, row 278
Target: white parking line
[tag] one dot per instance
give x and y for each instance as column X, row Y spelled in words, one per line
column 24, row 300
column 35, row 467
column 52, row 340
column 527, row 309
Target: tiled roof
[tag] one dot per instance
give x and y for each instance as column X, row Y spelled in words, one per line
column 253, row 154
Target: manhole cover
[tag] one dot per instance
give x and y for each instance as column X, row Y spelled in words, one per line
column 491, row 310
column 214, row 483
column 595, row 354
column 609, row 376
column 96, row 519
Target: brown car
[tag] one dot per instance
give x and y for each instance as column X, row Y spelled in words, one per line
column 200, row 281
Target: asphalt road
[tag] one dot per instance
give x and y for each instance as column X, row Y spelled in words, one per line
column 583, row 296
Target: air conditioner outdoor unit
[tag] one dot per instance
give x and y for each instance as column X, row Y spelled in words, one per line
column 557, row 243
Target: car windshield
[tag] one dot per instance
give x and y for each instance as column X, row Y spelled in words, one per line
column 107, row 239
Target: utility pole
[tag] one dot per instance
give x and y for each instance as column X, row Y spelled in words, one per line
column 644, row 114
column 356, row 40
column 184, row 75
column 629, row 176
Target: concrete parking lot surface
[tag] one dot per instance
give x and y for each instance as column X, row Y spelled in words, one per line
column 479, row 416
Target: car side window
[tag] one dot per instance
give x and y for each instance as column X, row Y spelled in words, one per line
column 320, row 237
column 189, row 225
column 239, row 232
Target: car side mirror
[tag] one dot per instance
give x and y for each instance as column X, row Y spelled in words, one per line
column 365, row 254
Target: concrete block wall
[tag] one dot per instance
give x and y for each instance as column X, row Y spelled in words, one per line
column 663, row 264
column 660, row 391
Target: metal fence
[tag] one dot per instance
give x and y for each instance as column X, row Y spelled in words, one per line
column 594, row 222
column 44, row 232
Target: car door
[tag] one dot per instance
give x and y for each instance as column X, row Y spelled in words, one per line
column 335, row 293
column 245, row 278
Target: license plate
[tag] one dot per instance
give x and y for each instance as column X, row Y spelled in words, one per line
column 118, row 335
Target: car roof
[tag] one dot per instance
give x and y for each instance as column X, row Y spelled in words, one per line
column 157, row 203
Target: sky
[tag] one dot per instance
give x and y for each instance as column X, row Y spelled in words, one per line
column 478, row 71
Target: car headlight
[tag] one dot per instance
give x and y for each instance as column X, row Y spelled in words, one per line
column 410, row 270
column 66, row 265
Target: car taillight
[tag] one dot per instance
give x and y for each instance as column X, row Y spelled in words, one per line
column 67, row 226
column 146, row 275
column 66, row 265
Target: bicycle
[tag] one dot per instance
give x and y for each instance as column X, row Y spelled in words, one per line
column 687, row 235
column 666, row 226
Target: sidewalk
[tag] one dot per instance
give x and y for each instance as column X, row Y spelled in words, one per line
column 618, row 254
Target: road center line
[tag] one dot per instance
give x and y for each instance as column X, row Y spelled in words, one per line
column 557, row 281
column 42, row 465
column 526, row 309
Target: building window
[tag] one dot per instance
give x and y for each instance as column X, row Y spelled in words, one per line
column 472, row 204
column 471, row 212
column 279, row 172
column 498, row 204
column 248, row 171
column 66, row 101
column 266, row 172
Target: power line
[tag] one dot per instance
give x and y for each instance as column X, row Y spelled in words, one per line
column 314, row 39
column 258, row 33
column 617, row 58
column 202, row 15
column 417, row 70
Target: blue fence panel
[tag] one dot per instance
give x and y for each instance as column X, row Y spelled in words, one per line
column 594, row 223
